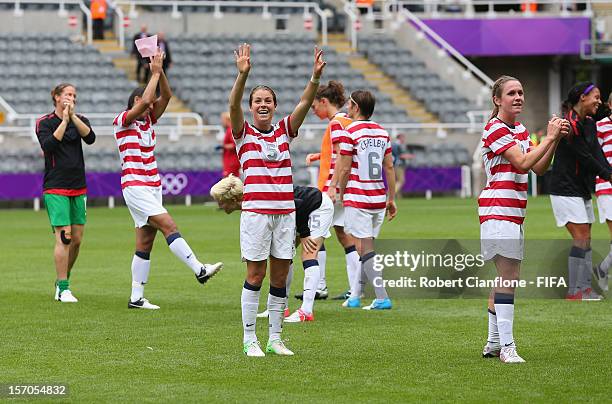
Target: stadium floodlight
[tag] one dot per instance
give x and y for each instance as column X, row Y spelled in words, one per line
column 265, row 12
column 217, row 14
column 133, row 13
column 176, row 14
column 18, row 12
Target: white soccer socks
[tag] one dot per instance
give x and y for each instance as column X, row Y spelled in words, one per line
column 311, row 280
column 504, row 309
column 322, row 260
column 374, row 276
column 181, row 249
column 141, row 265
column 249, row 302
column 276, row 311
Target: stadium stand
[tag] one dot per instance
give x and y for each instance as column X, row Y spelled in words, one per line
column 204, row 72
column 31, row 64
column 412, row 74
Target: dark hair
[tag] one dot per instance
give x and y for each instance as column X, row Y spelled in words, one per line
column 59, row 89
column 334, row 92
column 497, row 90
column 365, row 101
column 138, row 92
column 573, row 96
column 262, row 88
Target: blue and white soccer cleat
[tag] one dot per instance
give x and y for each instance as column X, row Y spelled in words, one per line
column 379, row 304
column 352, row 303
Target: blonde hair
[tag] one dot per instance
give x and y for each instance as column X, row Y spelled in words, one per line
column 229, row 188
column 496, row 91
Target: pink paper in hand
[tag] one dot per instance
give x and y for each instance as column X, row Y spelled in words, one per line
column 147, row 46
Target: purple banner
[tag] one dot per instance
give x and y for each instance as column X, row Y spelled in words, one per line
column 514, row 36
column 180, row 183
column 434, row 179
column 102, row 185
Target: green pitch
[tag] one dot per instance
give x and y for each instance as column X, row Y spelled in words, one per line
column 190, row 350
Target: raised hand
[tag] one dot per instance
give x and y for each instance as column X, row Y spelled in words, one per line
column 157, row 62
column 319, row 63
column 243, row 58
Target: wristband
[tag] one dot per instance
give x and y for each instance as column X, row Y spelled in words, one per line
column 314, row 80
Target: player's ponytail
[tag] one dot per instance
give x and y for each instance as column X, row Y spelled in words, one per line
column 574, row 94
column 497, row 91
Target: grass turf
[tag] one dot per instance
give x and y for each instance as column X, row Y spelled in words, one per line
column 190, row 350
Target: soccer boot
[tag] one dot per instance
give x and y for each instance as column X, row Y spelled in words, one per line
column 508, row 354
column 379, row 304
column 343, row 296
column 278, row 347
column 574, row 297
column 491, row 350
column 299, row 317
column 66, row 297
column 142, row 303
column 253, row 349
column 352, row 303
column 208, row 271
column 320, row 294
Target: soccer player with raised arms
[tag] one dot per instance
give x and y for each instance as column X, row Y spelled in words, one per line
column 314, row 213
column 267, row 222
column 508, row 155
column 141, row 184
column 365, row 151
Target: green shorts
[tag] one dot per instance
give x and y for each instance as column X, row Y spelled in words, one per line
column 66, row 210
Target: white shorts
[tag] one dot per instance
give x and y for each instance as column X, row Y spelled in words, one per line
column 143, row 202
column 604, row 208
column 363, row 223
column 338, row 214
column 320, row 220
column 572, row 209
column 501, row 237
column 264, row 235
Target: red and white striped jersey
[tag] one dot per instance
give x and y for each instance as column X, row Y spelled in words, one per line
column 505, row 195
column 368, row 143
column 136, row 143
column 604, row 136
column 336, row 129
column 266, row 164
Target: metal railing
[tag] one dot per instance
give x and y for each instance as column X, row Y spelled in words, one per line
column 439, row 41
column 175, row 125
column 11, row 114
column 18, row 11
column 218, row 10
column 172, row 124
